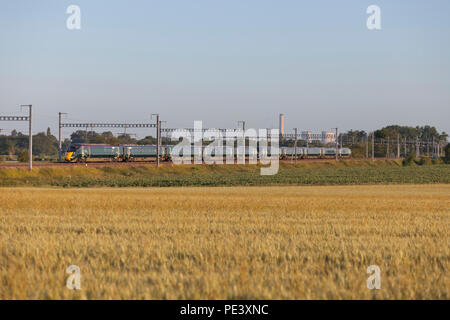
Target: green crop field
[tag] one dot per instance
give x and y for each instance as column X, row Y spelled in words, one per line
column 324, row 173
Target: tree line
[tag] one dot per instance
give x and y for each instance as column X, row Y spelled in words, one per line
column 426, row 138
column 45, row 145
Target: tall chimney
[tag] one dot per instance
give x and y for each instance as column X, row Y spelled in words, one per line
column 281, row 124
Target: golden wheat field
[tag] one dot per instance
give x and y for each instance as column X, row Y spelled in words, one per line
column 226, row 243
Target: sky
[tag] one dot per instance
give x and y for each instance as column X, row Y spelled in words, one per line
column 221, row 61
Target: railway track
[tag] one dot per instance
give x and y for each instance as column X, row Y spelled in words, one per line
column 96, row 164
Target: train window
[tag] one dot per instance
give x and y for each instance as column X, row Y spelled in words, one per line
column 73, row 148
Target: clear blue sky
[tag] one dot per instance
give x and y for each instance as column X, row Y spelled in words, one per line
column 226, row 60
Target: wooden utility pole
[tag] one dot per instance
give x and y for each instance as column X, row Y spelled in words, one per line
column 398, row 146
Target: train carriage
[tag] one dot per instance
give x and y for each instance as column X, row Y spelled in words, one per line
column 345, row 152
column 329, row 152
column 133, row 152
column 313, row 152
column 289, row 152
column 300, row 152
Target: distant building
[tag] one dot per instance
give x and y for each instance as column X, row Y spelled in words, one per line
column 281, row 124
column 328, row 137
column 307, row 136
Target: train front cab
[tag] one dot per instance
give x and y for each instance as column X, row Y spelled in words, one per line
column 71, row 153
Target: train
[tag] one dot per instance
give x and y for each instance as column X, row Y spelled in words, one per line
column 316, row 152
column 83, row 152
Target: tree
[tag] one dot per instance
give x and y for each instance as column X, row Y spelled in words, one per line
column 78, row 137
column 126, row 139
column 48, row 132
column 426, row 133
column 45, row 144
column 66, row 144
column 447, row 153
column 147, row 140
column 7, row 146
column 23, row 156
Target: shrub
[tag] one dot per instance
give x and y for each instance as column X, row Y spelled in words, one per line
column 23, row 156
column 409, row 160
column 437, row 161
column 424, row 161
column 447, row 154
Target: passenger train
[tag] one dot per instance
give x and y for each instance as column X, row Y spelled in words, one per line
column 83, row 152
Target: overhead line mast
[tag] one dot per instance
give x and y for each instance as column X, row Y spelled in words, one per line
column 30, row 131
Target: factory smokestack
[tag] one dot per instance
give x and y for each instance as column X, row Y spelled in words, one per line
column 281, row 124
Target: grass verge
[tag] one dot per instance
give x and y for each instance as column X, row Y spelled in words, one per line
column 321, row 173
